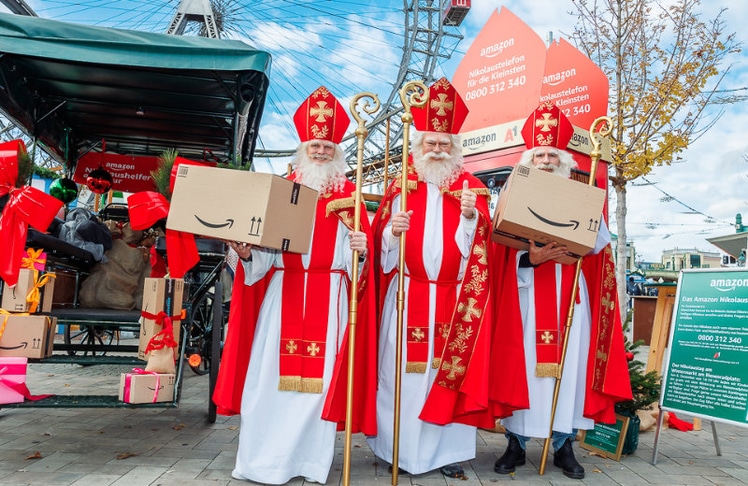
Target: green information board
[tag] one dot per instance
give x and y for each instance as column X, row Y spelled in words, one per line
column 706, row 369
column 605, row 439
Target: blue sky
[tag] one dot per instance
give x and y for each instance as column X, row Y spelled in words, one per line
column 354, row 46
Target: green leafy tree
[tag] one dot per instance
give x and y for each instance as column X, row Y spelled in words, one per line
column 665, row 66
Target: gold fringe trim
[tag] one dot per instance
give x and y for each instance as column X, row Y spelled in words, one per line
column 458, row 192
column 415, row 367
column 436, row 363
column 289, row 383
column 547, row 370
column 311, row 385
column 338, row 204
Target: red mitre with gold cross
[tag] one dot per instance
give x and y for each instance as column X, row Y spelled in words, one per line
column 321, row 117
column 547, row 126
column 444, row 111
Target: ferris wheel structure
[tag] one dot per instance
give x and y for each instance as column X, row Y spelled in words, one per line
column 427, row 39
column 421, row 29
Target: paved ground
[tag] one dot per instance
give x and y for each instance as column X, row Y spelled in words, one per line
column 178, row 446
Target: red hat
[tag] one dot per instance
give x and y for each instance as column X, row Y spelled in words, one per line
column 444, row 111
column 547, row 126
column 321, row 117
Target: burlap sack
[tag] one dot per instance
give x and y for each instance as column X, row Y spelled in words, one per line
column 118, row 283
column 162, row 360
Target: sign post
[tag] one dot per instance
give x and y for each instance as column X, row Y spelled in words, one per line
column 706, row 369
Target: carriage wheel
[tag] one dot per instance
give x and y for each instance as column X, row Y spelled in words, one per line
column 88, row 335
column 199, row 338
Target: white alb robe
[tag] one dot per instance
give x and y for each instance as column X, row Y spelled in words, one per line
column 423, row 446
column 536, row 421
column 282, row 435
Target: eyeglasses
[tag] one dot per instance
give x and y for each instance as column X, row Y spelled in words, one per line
column 324, row 145
column 542, row 155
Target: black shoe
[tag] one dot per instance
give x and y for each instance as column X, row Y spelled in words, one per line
column 564, row 458
column 453, row 471
column 400, row 471
column 513, row 456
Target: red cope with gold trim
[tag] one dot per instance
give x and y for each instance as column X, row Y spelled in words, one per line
column 306, row 299
column 460, row 314
column 547, row 126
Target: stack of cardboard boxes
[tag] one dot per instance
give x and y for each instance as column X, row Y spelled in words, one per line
column 162, row 301
column 24, row 331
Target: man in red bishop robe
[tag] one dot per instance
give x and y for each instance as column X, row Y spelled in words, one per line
column 445, row 336
column 285, row 362
column 532, row 294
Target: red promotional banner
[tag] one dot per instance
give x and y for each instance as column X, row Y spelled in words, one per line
column 575, row 84
column 580, row 89
column 129, row 173
column 505, row 74
column 501, row 74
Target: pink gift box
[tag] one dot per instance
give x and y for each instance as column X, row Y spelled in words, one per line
column 12, row 379
column 146, row 386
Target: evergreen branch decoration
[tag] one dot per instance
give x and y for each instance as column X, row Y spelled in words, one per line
column 25, row 167
column 162, row 175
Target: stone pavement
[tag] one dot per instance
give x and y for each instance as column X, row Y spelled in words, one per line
column 178, row 446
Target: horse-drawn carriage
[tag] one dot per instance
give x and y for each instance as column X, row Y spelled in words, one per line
column 99, row 99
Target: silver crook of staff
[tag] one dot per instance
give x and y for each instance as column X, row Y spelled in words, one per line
column 369, row 105
column 600, row 129
column 414, row 93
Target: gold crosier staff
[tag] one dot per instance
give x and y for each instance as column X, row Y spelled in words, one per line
column 414, row 93
column 361, row 133
column 595, row 154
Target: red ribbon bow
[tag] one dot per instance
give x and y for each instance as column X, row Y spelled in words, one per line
column 165, row 337
column 27, row 206
column 148, row 207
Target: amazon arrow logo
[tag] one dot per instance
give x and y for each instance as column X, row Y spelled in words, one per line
column 20, row 346
column 228, row 224
column 571, row 222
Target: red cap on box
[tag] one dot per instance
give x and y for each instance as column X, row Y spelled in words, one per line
column 444, row 111
column 547, row 126
column 321, row 117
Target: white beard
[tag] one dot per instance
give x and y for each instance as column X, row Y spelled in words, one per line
column 441, row 169
column 323, row 177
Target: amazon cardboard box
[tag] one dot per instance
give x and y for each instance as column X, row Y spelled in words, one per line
column 146, row 387
column 540, row 206
column 29, row 336
column 239, row 205
column 14, row 298
column 160, row 295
